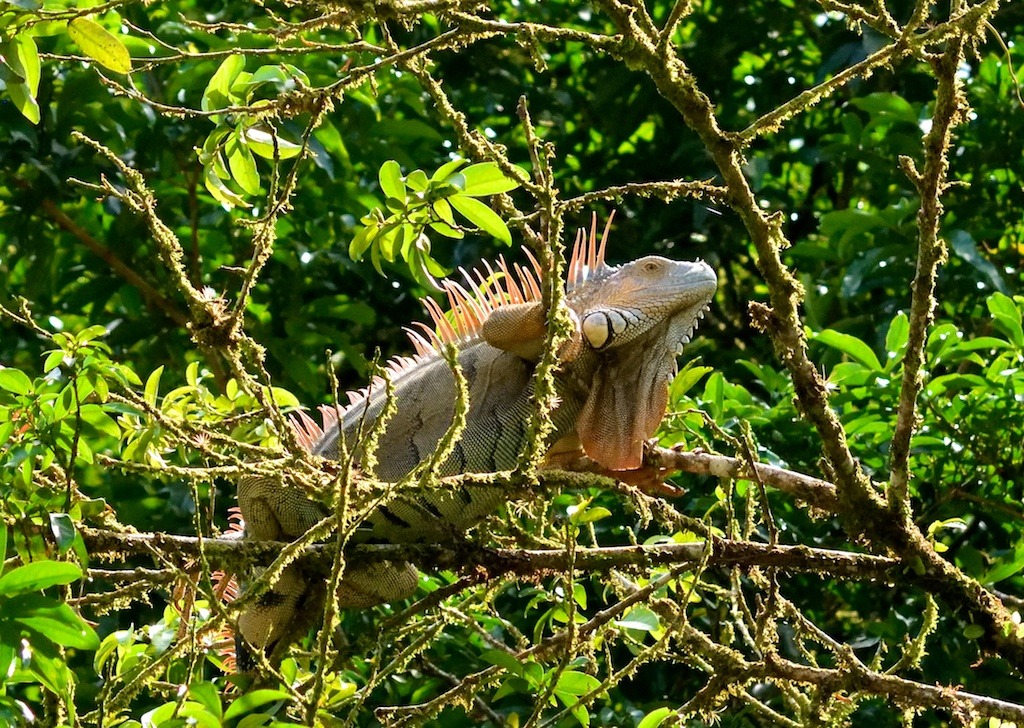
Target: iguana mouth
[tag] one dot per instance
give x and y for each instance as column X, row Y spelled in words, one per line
column 686, row 337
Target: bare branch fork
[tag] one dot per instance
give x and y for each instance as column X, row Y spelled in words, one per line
column 862, row 507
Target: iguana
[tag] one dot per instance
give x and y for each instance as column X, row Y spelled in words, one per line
column 630, row 323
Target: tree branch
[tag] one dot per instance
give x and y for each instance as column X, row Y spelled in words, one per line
column 237, row 554
column 816, row 492
column 148, row 292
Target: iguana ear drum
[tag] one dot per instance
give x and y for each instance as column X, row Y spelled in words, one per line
column 600, row 327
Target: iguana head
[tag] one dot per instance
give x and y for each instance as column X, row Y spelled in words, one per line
column 635, row 318
column 632, row 322
column 624, row 304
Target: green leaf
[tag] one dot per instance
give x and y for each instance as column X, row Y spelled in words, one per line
column 581, row 714
column 267, row 74
column 206, row 694
column 896, row 338
column 283, row 398
column 444, row 211
column 851, row 346
column 1005, row 569
column 96, row 418
column 362, row 241
column 974, row 631
column 220, row 191
column 51, row 673
column 963, row 244
column 505, row 660
column 108, row 647
column 53, row 360
column 446, row 170
column 23, row 57
column 390, row 178
column 38, row 575
column 486, row 178
column 590, row 515
column 218, row 90
column 152, row 389
column 8, row 655
column 1007, row 317
column 160, row 716
column 887, row 104
column 242, row 165
column 640, row 618
column 264, row 143
column 686, row 378
column 417, row 180
column 510, row 686
column 24, row 101
column 15, row 381
column 714, row 393
column 100, row 45
column 53, row 620
column 22, row 60
column 63, row 529
column 655, row 718
column 577, row 683
column 250, row 701
column 446, row 230
column 482, row 216
column 198, row 715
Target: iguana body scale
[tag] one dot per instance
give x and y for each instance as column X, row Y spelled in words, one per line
column 630, row 322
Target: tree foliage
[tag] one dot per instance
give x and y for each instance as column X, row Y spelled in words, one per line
column 197, row 202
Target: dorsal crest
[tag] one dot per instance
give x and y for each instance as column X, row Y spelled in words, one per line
column 587, row 261
column 470, row 303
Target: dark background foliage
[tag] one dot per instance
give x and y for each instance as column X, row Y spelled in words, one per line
column 850, row 212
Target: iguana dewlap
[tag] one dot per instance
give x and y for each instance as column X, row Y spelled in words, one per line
column 631, row 322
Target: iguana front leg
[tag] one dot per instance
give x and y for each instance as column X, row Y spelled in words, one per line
column 568, row 454
column 522, row 329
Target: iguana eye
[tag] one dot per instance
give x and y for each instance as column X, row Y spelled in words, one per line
column 651, row 266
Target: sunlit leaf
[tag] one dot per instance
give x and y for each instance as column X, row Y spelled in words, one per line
column 24, row 101
column 22, row 57
column 100, row 45
column 655, row 718
column 152, row 389
column 242, row 165
column 38, row 575
column 53, row 620
column 1007, row 317
column 504, row 659
column 640, row 618
column 390, row 178
column 15, row 381
column 482, row 217
column 577, row 683
column 250, row 701
column 264, row 143
column 218, row 90
column 896, row 337
column 486, row 178
column 851, row 346
column 220, row 191
column 447, row 169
